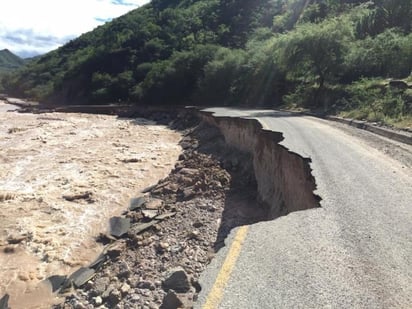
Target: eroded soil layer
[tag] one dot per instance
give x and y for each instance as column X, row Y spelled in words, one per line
column 210, row 191
column 62, row 176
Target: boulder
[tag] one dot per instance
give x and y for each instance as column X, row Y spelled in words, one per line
column 177, row 280
column 174, row 300
column 87, row 196
column 137, row 202
column 56, row 282
column 16, row 239
column 115, row 249
column 81, row 276
column 171, row 301
column 119, row 226
column 399, row 84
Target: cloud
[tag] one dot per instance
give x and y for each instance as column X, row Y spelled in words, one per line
column 30, row 27
column 121, row 2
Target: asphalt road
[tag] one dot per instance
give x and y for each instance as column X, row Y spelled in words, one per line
column 353, row 252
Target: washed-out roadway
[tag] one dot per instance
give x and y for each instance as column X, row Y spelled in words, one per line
column 355, row 251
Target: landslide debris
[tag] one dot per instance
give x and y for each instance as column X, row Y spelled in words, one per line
column 175, row 228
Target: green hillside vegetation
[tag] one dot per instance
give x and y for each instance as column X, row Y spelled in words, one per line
column 323, row 55
column 9, row 61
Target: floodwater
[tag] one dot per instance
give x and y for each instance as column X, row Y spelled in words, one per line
column 46, row 160
column 7, row 107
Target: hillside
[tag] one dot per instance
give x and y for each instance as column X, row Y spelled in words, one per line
column 329, row 55
column 9, row 61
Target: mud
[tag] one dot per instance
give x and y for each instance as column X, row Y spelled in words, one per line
column 62, row 176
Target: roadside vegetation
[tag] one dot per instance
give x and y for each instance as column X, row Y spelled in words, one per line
column 349, row 57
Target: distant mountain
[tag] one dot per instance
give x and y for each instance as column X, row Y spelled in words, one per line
column 9, row 61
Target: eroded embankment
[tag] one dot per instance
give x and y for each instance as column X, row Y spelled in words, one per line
column 211, row 190
column 284, row 180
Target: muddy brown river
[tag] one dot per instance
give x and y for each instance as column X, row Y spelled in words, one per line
column 62, row 176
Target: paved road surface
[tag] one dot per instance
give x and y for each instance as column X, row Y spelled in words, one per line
column 353, row 252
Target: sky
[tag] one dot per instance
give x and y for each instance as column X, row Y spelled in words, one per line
column 33, row 27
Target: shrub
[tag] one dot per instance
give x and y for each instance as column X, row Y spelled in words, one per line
column 373, row 98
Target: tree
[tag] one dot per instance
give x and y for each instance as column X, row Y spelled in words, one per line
column 385, row 14
column 221, row 75
column 315, row 52
column 389, row 54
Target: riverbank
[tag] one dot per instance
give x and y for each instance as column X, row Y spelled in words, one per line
column 176, row 227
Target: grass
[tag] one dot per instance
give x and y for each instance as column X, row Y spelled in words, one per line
column 403, row 122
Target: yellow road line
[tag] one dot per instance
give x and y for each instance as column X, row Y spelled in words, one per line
column 215, row 296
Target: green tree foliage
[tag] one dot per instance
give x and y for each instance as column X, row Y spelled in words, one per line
column 310, row 53
column 174, row 81
column 389, row 54
column 263, row 78
column 315, row 52
column 385, row 14
column 220, row 84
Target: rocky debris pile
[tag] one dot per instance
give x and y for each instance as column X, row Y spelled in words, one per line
column 156, row 251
